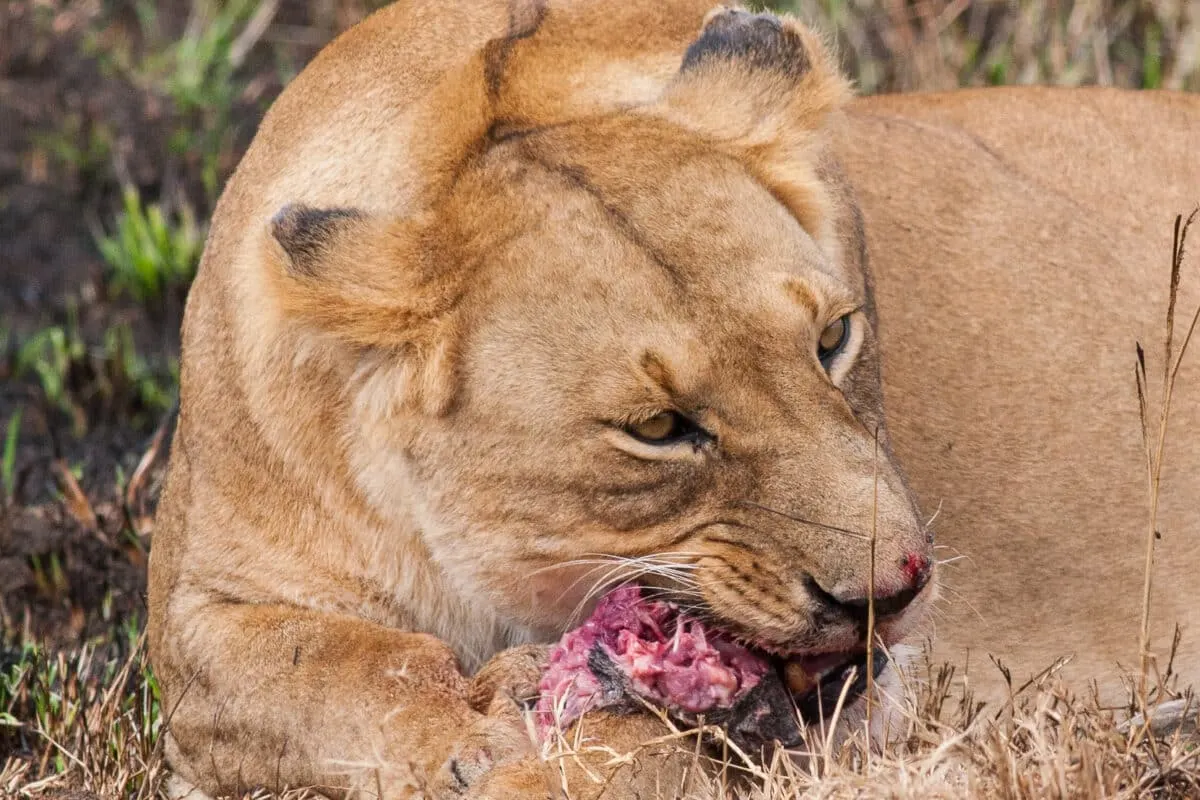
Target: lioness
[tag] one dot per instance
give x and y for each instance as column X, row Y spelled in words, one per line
column 512, row 301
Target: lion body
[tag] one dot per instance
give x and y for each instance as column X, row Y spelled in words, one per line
column 1021, row 243
column 360, row 505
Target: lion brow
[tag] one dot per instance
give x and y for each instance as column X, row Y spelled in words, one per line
column 803, row 294
column 656, row 368
column 577, row 177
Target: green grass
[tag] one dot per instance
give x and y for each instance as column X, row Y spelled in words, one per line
column 49, row 575
column 50, row 355
column 81, row 147
column 87, row 383
column 93, row 714
column 198, row 71
column 148, row 251
column 130, row 375
column 8, row 459
column 199, row 75
column 196, row 74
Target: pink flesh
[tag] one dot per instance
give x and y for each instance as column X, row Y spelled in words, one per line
column 667, row 659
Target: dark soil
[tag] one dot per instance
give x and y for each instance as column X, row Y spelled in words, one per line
column 76, row 129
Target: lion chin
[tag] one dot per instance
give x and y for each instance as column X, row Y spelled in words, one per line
column 512, row 303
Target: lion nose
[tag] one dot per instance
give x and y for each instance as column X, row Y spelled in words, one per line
column 916, row 570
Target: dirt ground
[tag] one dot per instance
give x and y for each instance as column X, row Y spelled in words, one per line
column 95, row 104
column 87, row 114
column 73, row 133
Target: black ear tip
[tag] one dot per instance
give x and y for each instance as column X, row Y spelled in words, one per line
column 288, row 210
column 299, row 216
column 760, row 41
column 287, row 219
column 731, row 19
column 305, row 233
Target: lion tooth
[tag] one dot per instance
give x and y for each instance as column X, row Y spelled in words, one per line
column 798, row 679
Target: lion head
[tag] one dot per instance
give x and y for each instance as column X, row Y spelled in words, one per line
column 621, row 342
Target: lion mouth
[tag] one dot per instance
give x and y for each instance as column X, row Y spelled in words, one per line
column 635, row 650
column 818, row 682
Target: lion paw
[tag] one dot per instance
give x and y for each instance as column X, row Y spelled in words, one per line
column 492, row 743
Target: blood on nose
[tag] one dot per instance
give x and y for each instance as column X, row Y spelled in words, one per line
column 916, row 569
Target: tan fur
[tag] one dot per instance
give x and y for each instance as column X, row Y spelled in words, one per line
column 464, row 247
column 1021, row 244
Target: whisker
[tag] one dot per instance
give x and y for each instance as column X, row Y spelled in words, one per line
column 575, row 562
column 674, row 570
column 605, row 571
column 958, row 597
column 958, row 555
column 673, row 594
column 936, row 513
column 604, row 581
column 603, row 584
column 633, row 568
column 693, row 611
column 585, row 576
column 606, row 558
column 804, row 521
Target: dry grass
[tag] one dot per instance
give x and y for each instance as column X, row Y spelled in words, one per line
column 92, row 726
column 1052, row 745
column 79, row 710
column 88, row 721
column 920, row 45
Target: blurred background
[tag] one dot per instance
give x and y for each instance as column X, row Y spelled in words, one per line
column 120, row 120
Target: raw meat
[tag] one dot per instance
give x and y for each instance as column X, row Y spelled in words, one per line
column 646, row 648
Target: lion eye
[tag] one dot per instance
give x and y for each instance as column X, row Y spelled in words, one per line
column 667, row 427
column 833, row 339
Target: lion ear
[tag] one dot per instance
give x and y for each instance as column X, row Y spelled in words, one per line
column 376, row 285
column 754, row 80
column 365, row 280
column 310, row 238
column 761, row 88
